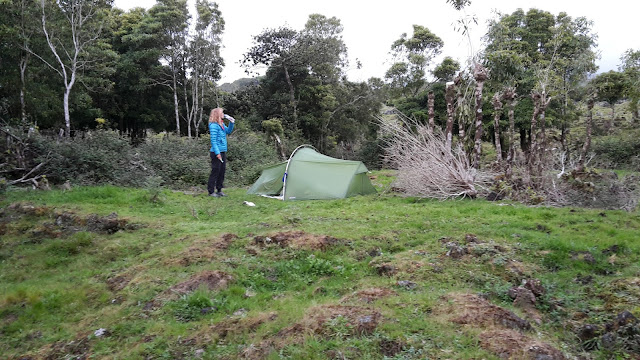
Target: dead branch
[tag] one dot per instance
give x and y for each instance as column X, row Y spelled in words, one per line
column 426, row 168
column 26, row 177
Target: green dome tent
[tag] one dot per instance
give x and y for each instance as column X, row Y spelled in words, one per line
column 309, row 175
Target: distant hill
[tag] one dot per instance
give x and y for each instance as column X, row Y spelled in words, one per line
column 239, row 84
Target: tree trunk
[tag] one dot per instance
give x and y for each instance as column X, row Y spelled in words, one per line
column 510, row 97
column 531, row 156
column 542, row 141
column 432, row 113
column 23, row 86
column 292, row 97
column 480, row 75
column 587, row 140
column 461, row 124
column 175, row 104
column 449, row 95
column 609, row 125
column 497, row 107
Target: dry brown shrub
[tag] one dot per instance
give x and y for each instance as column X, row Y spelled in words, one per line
column 426, row 167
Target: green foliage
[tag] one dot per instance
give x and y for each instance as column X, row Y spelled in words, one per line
column 618, row 151
column 610, row 86
column 193, row 306
column 99, row 157
column 178, row 161
column 248, row 154
column 105, row 157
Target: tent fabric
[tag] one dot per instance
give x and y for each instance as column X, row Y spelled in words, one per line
column 270, row 181
column 313, row 176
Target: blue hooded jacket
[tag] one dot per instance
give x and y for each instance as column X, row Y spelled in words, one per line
column 218, row 136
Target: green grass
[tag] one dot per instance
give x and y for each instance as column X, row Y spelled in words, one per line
column 59, row 284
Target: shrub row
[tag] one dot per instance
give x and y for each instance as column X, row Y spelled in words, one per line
column 106, row 157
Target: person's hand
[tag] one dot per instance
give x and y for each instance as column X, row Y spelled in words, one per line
column 219, row 157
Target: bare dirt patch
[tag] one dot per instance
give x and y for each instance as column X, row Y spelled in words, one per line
column 369, row 295
column 238, row 325
column 297, row 240
column 204, row 251
column 79, row 349
column 63, row 223
column 503, row 331
column 212, row 280
column 469, row 309
column 321, row 321
column 119, row 282
column 510, row 344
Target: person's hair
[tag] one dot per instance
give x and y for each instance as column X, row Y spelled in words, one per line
column 215, row 115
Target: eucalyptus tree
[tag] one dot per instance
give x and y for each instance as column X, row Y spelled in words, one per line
column 172, row 17
column 631, row 68
column 204, row 61
column 412, row 57
column 137, row 101
column 19, row 37
column 71, row 28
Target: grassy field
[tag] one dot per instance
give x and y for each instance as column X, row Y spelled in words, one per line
column 115, row 273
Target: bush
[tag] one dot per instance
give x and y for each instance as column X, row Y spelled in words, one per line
column 619, row 151
column 105, row 157
column 98, row 157
column 248, row 155
column 178, row 161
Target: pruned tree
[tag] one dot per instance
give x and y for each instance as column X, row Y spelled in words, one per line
column 510, row 97
column 450, row 94
column 497, row 113
column 480, row 75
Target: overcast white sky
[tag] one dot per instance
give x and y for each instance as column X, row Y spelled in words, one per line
column 370, row 27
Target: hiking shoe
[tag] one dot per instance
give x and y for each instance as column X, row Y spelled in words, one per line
column 214, row 195
column 220, row 194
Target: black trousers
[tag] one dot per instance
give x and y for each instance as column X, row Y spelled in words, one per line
column 218, row 168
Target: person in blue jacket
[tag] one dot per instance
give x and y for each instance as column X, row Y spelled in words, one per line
column 218, row 152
